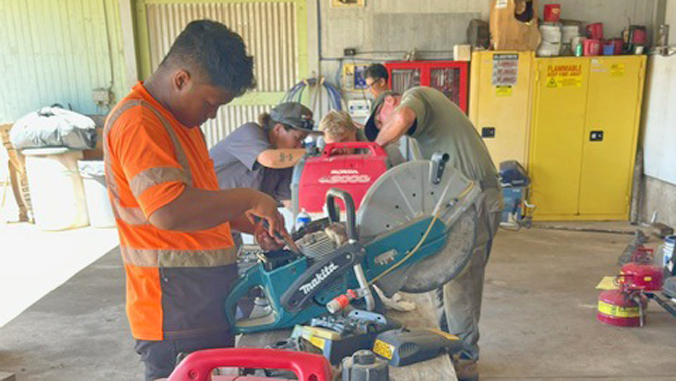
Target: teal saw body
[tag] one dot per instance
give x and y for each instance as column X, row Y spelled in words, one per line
column 414, row 232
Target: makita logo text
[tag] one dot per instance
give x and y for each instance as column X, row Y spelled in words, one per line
column 319, row 278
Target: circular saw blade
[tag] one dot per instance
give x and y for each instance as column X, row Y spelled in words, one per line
column 406, row 193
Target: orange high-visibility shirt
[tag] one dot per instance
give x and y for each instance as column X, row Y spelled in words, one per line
column 177, row 282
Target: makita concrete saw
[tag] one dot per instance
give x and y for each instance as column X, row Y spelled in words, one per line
column 414, row 231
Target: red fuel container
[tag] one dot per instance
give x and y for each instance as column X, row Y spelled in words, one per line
column 592, row 47
column 595, row 31
column 621, row 309
column 552, row 12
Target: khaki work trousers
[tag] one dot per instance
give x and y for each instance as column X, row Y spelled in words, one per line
column 458, row 302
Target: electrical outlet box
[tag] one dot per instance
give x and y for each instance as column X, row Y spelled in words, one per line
column 353, row 77
column 347, row 3
column 359, row 108
column 349, row 52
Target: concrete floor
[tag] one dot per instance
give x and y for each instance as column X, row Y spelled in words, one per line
column 538, row 320
column 36, row 262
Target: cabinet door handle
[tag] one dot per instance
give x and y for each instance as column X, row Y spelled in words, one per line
column 596, row 136
column 488, row 132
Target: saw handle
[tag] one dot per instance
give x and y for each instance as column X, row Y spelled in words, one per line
column 334, row 211
column 199, row 365
column 374, row 148
column 253, row 278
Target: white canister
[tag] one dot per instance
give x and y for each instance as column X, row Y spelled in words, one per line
column 668, row 253
column 569, row 32
column 551, row 33
column 551, row 40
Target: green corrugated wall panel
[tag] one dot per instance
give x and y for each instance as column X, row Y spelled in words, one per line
column 57, row 51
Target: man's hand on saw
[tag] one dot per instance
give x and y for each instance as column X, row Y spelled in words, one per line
column 265, row 208
column 265, row 240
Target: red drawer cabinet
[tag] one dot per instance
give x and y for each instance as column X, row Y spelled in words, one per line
column 449, row 77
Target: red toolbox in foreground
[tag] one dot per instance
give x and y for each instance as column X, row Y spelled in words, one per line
column 198, row 366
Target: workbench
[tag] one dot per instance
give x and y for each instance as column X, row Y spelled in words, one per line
column 424, row 316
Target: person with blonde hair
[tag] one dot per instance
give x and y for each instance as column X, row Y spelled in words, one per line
column 338, row 127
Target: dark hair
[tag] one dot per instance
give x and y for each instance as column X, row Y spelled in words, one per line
column 266, row 121
column 217, row 53
column 376, row 71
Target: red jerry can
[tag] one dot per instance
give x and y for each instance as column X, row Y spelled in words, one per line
column 621, row 308
column 641, row 273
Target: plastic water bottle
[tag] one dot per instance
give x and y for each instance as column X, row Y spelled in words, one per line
column 302, row 219
column 668, row 252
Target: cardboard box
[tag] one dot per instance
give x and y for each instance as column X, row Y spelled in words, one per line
column 514, row 25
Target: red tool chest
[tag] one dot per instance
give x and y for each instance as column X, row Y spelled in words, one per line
column 449, row 77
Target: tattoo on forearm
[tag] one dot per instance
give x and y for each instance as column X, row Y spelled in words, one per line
column 286, row 157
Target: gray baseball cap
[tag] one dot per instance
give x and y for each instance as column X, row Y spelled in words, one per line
column 294, row 115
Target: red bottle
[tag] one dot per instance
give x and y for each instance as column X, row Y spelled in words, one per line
column 592, row 47
column 552, row 12
column 595, row 31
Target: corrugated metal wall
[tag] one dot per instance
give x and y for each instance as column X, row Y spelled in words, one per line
column 228, row 119
column 269, row 31
column 57, row 52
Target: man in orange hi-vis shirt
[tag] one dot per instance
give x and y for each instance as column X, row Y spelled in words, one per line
column 174, row 222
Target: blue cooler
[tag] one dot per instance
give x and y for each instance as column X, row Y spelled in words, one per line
column 514, row 182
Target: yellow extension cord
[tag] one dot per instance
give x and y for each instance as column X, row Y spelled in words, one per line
column 420, row 243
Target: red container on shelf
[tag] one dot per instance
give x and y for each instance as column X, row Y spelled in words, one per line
column 592, row 47
column 552, row 12
column 618, row 43
column 639, row 36
column 595, row 31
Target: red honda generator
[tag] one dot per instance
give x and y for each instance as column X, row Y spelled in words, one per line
column 199, row 365
column 352, row 167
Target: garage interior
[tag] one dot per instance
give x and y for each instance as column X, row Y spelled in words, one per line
column 583, row 118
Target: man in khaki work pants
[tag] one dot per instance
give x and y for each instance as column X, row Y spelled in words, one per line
column 438, row 125
column 174, row 221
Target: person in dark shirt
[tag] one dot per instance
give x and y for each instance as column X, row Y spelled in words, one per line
column 262, row 155
column 376, row 78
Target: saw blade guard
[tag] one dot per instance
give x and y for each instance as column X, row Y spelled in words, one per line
column 436, row 270
column 411, row 194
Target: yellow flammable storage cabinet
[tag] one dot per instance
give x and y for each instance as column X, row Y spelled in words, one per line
column 584, row 131
column 500, row 102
